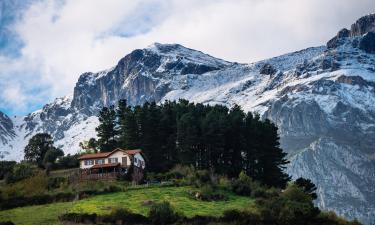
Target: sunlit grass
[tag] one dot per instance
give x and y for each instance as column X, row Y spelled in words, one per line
column 132, row 199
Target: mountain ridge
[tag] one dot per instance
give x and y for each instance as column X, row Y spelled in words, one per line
column 321, row 98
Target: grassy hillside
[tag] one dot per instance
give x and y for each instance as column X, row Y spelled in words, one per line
column 132, row 199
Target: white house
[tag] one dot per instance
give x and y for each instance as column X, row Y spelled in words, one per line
column 113, row 161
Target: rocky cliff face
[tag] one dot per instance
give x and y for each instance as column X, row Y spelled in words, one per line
column 6, row 132
column 322, row 99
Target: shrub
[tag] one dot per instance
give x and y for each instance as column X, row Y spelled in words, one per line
column 231, row 215
column 67, row 162
column 124, row 215
column 78, row 217
column 19, row 172
column 35, row 185
column 163, row 213
column 7, row 223
column 56, row 182
column 5, row 168
column 224, row 183
column 208, row 193
column 308, row 187
column 242, row 185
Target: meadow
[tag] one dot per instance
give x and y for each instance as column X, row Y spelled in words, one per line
column 135, row 200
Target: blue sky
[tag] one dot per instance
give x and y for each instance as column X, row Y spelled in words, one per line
column 46, row 45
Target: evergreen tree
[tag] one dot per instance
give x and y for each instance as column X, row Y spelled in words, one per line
column 188, row 139
column 214, row 129
column 235, row 141
column 271, row 157
column 106, row 131
column 127, row 126
column 308, row 187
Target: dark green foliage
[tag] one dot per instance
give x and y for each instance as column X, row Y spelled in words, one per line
column 125, row 216
column 7, row 223
column 242, row 185
column 117, row 216
column 37, row 148
column 162, row 213
column 308, row 187
column 66, row 162
column 214, row 138
column 51, row 155
column 127, row 126
column 19, row 172
column 293, row 206
column 106, row 130
column 56, row 182
column 79, row 217
column 20, row 201
column 6, row 167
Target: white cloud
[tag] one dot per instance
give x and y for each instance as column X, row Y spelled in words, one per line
column 65, row 39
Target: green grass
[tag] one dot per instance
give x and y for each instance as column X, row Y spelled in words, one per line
column 132, row 199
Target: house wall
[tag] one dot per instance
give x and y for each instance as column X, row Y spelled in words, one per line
column 119, row 155
column 140, row 161
column 83, row 166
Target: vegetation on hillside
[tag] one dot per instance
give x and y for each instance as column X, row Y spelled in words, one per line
column 216, row 138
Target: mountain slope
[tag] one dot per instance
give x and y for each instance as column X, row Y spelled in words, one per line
column 322, row 98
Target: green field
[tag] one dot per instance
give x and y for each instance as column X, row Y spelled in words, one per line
column 131, row 199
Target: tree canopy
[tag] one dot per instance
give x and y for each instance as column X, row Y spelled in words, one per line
column 225, row 141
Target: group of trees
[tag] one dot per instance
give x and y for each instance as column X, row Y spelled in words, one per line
column 40, row 150
column 225, row 141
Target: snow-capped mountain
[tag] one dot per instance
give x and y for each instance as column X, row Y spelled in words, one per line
column 322, row 99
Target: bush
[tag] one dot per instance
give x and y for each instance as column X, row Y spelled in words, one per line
column 124, row 215
column 56, row 182
column 5, row 168
column 208, row 193
column 242, row 185
column 78, row 217
column 19, row 172
column 7, row 223
column 67, row 162
column 163, row 213
column 20, row 201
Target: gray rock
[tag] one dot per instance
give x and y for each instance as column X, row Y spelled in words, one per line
column 367, row 43
column 363, row 25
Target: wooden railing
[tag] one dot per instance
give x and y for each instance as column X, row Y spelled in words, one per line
column 101, row 176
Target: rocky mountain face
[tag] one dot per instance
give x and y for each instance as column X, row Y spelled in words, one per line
column 6, row 130
column 322, row 99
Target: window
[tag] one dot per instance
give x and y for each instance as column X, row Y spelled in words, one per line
column 112, row 160
column 99, row 161
column 124, row 161
column 135, row 160
column 88, row 162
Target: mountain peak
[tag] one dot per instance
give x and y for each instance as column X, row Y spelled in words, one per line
column 361, row 35
column 363, row 25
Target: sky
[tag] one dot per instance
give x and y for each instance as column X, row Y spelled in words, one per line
column 46, row 45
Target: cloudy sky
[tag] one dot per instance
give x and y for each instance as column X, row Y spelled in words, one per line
column 46, row 45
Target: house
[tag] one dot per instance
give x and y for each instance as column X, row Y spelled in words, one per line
column 111, row 164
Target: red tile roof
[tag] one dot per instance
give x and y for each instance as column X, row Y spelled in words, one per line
column 106, row 154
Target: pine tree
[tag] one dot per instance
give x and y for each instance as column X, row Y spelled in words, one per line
column 106, row 131
column 127, row 126
column 272, row 161
column 235, row 141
